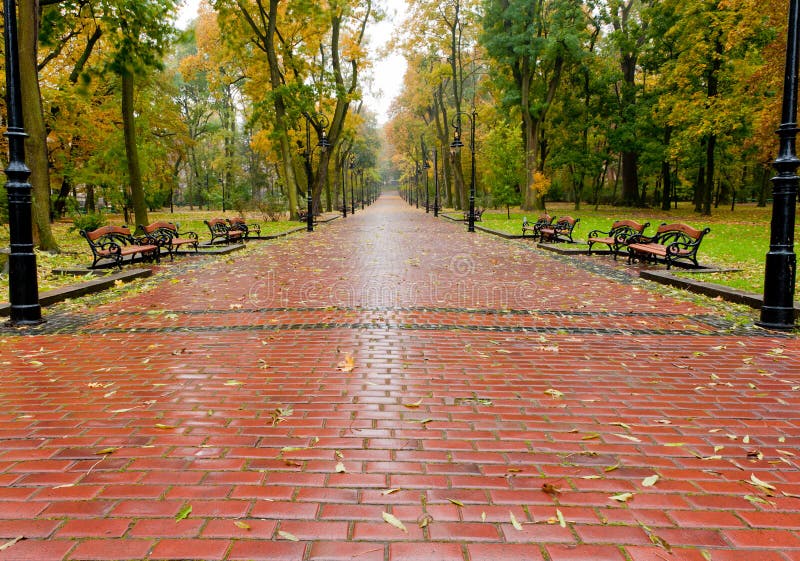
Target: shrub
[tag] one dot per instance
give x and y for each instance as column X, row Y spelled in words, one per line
column 272, row 207
column 88, row 222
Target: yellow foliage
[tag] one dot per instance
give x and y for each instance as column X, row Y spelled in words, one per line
column 540, row 185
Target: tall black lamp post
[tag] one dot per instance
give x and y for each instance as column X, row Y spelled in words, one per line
column 457, row 144
column 777, row 310
column 352, row 166
column 417, row 171
column 435, row 182
column 425, row 167
column 361, row 182
column 344, row 186
column 323, row 145
column 23, row 286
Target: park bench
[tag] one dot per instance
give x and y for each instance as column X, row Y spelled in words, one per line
column 478, row 214
column 617, row 236
column 168, row 236
column 222, row 231
column 672, row 243
column 239, row 223
column 116, row 242
column 536, row 228
column 561, row 231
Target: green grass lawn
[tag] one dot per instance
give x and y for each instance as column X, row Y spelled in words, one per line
column 75, row 252
column 738, row 239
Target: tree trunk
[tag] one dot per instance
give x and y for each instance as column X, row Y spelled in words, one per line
column 63, row 193
column 280, row 108
column 708, row 190
column 666, row 172
column 132, row 151
column 89, row 206
column 454, row 27
column 36, row 143
column 712, row 90
column 700, row 185
column 630, row 156
column 442, row 133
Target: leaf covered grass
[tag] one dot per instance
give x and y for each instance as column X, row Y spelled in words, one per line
column 75, row 252
column 739, row 239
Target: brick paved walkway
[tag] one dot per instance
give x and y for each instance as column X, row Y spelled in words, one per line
column 503, row 404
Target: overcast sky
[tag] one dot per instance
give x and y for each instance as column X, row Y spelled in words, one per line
column 387, row 73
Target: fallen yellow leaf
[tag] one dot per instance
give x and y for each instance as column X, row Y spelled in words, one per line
column 394, row 521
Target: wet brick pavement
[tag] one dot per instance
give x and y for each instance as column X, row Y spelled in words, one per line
column 504, row 403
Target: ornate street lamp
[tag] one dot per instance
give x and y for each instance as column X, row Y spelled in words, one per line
column 23, row 286
column 777, row 310
column 457, row 145
column 436, row 182
column 308, row 152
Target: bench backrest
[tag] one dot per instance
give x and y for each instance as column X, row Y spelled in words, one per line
column 236, row 220
column 217, row 224
column 160, row 225
column 567, row 221
column 677, row 230
column 679, row 233
column 107, row 231
column 631, row 226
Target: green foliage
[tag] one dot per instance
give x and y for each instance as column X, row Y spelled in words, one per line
column 141, row 33
column 88, row 222
column 3, row 205
column 503, row 166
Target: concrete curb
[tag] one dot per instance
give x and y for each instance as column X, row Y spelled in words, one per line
column 709, row 289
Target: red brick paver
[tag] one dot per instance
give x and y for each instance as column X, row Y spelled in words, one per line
column 502, row 403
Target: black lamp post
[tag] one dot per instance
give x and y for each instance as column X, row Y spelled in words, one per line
column 344, row 186
column 426, row 165
column 352, row 167
column 777, row 310
column 222, row 182
column 416, row 182
column 323, row 145
column 435, row 182
column 361, row 180
column 457, row 144
column 23, row 285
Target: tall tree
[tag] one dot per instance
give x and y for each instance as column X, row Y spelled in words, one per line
column 33, row 115
column 142, row 32
column 630, row 25
column 530, row 42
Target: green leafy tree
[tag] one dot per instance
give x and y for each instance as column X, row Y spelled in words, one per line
column 530, row 42
column 142, row 31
